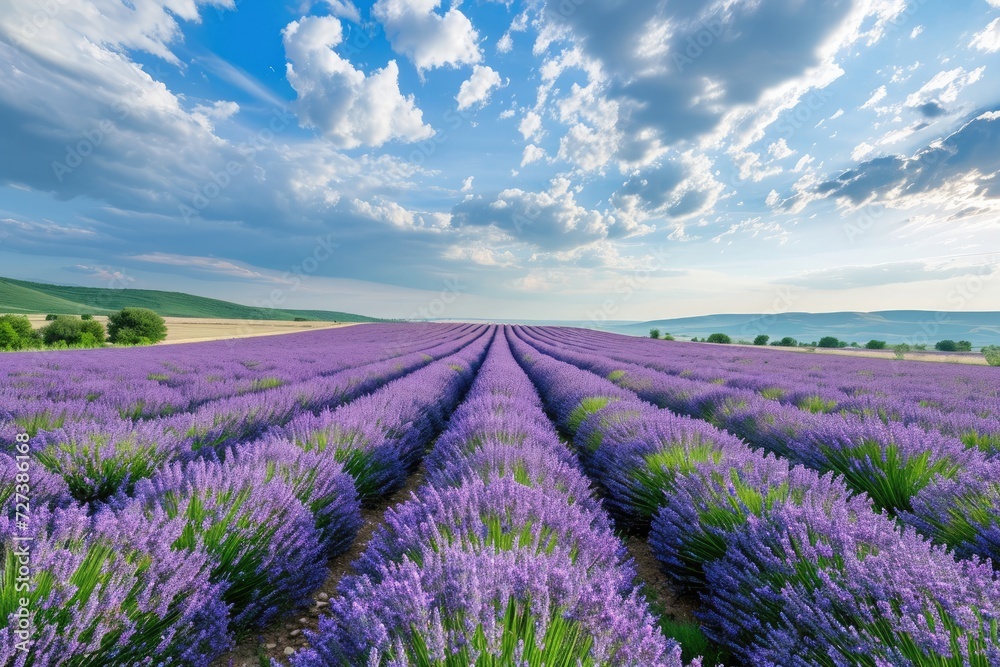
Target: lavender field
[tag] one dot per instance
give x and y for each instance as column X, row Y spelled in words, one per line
column 165, row 505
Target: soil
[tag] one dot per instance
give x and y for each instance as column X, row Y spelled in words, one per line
column 670, row 601
column 287, row 632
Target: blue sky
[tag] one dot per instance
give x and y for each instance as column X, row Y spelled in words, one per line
column 576, row 159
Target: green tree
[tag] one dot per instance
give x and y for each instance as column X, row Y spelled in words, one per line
column 946, row 346
column 21, row 335
column 654, row 333
column 667, row 336
column 86, row 317
column 876, row 345
column 992, row 354
column 901, row 350
column 829, row 341
column 136, row 326
column 63, row 328
column 761, row 339
column 95, row 330
column 719, row 338
column 963, row 346
column 787, row 341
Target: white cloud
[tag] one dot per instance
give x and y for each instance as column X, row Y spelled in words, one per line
column 505, row 44
column 425, row 37
column 862, row 151
column 477, row 89
column 532, row 153
column 876, row 97
column 989, row 39
column 779, row 150
column 349, row 108
column 344, row 9
column 530, row 125
column 916, row 32
column 945, row 86
column 467, row 184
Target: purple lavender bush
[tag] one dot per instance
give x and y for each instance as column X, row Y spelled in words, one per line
column 639, row 460
column 493, row 608
column 110, row 590
column 262, row 540
column 501, row 516
column 712, row 501
column 40, row 487
column 962, row 513
column 838, row 585
column 318, row 481
column 98, row 460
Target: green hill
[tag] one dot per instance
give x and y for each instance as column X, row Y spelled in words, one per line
column 21, row 296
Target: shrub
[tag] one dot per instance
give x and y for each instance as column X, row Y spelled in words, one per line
column 901, row 350
column 787, row 341
column 109, row 590
column 824, row 585
column 761, row 339
column 319, row 482
column 963, row 346
column 136, row 326
column 654, row 333
column 86, row 318
column 719, row 338
column 992, row 354
column 50, row 317
column 64, row 328
column 946, row 346
column 706, row 506
column 16, row 333
column 301, row 319
column 829, row 342
column 667, row 336
column 98, row 460
column 875, row 345
column 503, row 607
column 962, row 513
column 262, row 540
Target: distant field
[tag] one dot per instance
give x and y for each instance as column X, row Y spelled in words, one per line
column 23, row 297
column 199, row 329
column 974, row 358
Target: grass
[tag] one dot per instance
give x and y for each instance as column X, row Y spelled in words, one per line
column 22, row 297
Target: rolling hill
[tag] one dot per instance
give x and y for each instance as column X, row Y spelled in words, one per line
column 21, row 296
column 893, row 326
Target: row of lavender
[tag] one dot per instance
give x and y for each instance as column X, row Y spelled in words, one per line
column 102, row 454
column 949, row 492
column 148, row 382
column 794, row 569
column 957, row 400
column 174, row 567
column 502, row 558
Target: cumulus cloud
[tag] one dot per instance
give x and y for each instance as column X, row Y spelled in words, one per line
column 944, row 86
column 675, row 189
column 989, row 39
column 532, row 153
column 344, row 9
column 427, row 38
column 717, row 71
column 479, row 86
column 550, row 220
column 961, row 171
column 349, row 108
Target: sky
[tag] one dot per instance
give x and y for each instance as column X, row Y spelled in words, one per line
column 548, row 159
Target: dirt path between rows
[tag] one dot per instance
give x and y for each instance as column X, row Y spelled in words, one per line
column 286, row 633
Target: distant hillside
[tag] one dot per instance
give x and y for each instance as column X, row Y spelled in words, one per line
column 893, row 326
column 20, row 296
